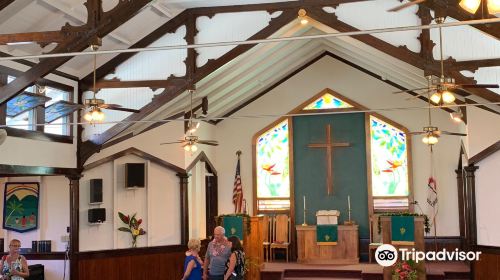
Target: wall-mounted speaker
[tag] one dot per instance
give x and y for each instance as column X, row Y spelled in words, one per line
column 97, row 215
column 135, row 175
column 95, row 191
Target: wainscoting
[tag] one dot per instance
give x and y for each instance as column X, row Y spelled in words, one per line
column 488, row 266
column 165, row 262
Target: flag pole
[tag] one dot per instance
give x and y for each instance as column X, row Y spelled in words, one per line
column 434, row 207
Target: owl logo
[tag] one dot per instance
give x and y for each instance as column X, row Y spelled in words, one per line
column 233, row 231
column 327, row 237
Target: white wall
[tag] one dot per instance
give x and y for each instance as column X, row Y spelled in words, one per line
column 236, row 135
column 158, row 205
column 483, row 130
column 487, row 197
column 53, row 220
column 20, row 151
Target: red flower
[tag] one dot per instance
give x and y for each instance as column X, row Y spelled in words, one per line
column 139, row 222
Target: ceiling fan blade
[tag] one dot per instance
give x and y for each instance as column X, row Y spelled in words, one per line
column 453, row 133
column 405, row 5
column 176, row 142
column 119, row 108
column 418, row 95
column 211, row 143
column 479, row 86
column 408, row 90
column 417, row 133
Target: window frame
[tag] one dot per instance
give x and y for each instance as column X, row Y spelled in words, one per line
column 33, row 133
column 355, row 106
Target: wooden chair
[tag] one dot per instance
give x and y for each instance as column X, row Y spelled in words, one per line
column 267, row 233
column 281, row 234
column 375, row 236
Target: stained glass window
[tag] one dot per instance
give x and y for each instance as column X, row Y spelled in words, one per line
column 273, row 172
column 327, row 101
column 389, row 160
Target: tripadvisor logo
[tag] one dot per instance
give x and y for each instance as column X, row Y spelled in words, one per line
column 387, row 255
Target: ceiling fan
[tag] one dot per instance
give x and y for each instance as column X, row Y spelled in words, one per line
column 432, row 133
column 190, row 140
column 94, row 104
column 443, row 87
column 470, row 6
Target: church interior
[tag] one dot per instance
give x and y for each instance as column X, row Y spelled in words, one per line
column 319, row 132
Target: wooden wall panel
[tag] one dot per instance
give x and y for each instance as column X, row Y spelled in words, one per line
column 488, row 267
column 156, row 265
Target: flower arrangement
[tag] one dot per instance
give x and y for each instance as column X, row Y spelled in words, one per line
column 404, row 270
column 132, row 227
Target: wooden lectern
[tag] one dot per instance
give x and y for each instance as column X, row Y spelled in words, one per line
column 419, row 244
column 253, row 247
column 345, row 252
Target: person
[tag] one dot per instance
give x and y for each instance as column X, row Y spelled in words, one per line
column 193, row 263
column 235, row 266
column 14, row 265
column 218, row 252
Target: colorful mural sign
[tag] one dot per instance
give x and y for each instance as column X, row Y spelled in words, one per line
column 20, row 206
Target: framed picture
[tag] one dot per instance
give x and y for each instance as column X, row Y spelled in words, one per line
column 20, row 206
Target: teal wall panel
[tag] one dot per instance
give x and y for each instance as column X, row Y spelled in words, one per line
column 349, row 168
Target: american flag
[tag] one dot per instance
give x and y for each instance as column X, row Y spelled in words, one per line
column 237, row 190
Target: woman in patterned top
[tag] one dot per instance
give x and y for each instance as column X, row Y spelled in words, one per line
column 235, row 266
column 14, row 266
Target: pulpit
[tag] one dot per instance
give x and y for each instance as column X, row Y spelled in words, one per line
column 345, row 251
column 253, row 233
column 398, row 236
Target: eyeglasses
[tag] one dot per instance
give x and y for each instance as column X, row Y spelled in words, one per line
column 16, row 246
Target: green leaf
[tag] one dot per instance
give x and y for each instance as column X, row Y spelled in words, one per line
column 122, row 217
column 124, row 229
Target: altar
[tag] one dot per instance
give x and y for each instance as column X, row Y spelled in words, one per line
column 346, row 251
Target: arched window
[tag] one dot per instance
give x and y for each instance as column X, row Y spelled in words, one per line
column 389, row 166
column 273, row 168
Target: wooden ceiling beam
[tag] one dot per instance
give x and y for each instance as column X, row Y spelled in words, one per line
column 474, row 65
column 93, row 145
column 5, row 3
column 181, row 19
column 99, row 24
column 402, row 53
column 155, row 84
column 46, row 37
column 270, row 7
column 452, row 9
column 169, row 27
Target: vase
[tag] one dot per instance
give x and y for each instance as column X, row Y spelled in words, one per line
column 134, row 242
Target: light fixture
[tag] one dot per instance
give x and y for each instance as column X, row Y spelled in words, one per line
column 494, row 6
column 436, row 97
column 194, row 148
column 457, row 116
column 190, row 148
column 447, row 97
column 193, row 126
column 302, row 17
column 94, row 115
column 430, row 139
column 472, row 6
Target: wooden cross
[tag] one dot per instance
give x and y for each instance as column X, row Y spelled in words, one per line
column 330, row 146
